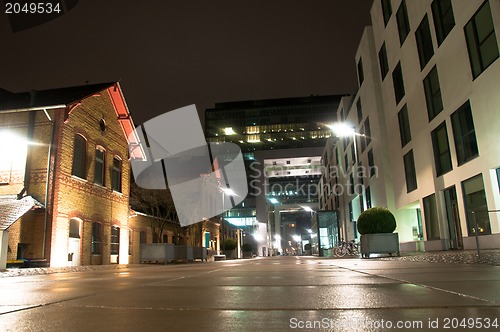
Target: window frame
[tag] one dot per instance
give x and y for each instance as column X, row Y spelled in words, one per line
column 410, row 171
column 79, row 163
column 424, row 40
column 474, row 50
column 403, row 22
column 459, row 120
column 100, row 161
column 441, row 28
column 361, row 74
column 398, row 83
column 383, row 62
column 96, row 238
column 433, row 97
column 114, row 171
column 440, row 151
column 404, row 126
column 386, row 11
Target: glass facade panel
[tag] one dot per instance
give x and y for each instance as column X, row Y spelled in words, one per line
column 424, row 42
column 404, row 126
column 386, row 10
column 444, row 20
column 403, row 22
column 382, row 59
column 475, row 200
column 397, row 79
column 441, row 146
column 431, row 217
column 410, row 174
column 464, row 134
column 79, row 156
column 96, row 238
column 433, row 94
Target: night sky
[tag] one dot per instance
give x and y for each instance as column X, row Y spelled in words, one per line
column 169, row 54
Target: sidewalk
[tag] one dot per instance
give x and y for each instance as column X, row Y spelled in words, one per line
column 488, row 256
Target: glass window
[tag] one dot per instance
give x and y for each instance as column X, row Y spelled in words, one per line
column 74, row 228
column 498, row 178
column 481, row 40
column 99, row 166
column 464, row 134
column 382, row 59
column 360, row 111
column 433, row 94
column 403, row 22
column 96, row 238
column 368, row 132
column 362, row 138
column 444, row 21
column 371, row 162
column 361, row 75
column 424, row 42
column 116, row 179
column 368, row 196
column 431, row 217
column 79, row 156
column 143, row 238
column 397, row 80
column 441, row 146
column 410, row 174
column 404, row 126
column 386, row 10
column 475, row 200
column 115, row 240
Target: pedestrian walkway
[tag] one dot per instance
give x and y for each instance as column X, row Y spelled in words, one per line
column 487, row 256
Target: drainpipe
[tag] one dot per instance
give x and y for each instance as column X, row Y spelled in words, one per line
column 49, row 155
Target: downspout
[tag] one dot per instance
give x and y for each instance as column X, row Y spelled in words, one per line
column 49, row 156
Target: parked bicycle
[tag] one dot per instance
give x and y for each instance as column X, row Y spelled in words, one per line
column 343, row 248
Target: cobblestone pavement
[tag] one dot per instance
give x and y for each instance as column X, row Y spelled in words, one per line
column 488, row 256
column 49, row 270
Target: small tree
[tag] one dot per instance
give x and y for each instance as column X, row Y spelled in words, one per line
column 229, row 244
column 376, row 220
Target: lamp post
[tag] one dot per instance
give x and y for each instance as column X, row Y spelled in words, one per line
column 229, row 192
column 344, row 130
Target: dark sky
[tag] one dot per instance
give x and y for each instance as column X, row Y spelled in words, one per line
column 169, row 54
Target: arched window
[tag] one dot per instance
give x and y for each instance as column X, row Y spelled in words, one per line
column 96, row 238
column 115, row 240
column 79, row 156
column 99, row 165
column 116, row 176
column 74, row 228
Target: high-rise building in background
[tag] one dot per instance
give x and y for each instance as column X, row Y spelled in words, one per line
column 281, row 141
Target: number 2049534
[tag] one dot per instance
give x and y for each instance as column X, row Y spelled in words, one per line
column 32, row 8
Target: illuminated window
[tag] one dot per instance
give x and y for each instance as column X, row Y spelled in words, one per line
column 79, row 156
column 74, row 228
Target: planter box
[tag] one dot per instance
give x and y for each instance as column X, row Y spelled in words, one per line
column 200, row 253
column 157, row 252
column 183, row 253
column 382, row 243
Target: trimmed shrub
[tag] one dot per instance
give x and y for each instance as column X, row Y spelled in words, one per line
column 246, row 247
column 229, row 244
column 376, row 220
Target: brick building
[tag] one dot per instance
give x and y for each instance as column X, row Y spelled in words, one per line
column 67, row 149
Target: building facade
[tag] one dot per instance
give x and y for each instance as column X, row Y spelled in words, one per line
column 428, row 79
column 69, row 152
column 281, row 141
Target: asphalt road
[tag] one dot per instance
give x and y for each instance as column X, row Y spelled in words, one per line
column 278, row 293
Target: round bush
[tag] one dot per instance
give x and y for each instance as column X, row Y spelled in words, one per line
column 229, row 244
column 376, row 220
column 246, row 247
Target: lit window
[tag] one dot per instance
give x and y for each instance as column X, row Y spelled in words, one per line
column 74, row 228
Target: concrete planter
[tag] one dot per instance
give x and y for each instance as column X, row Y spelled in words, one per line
column 157, row 252
column 183, row 253
column 381, row 243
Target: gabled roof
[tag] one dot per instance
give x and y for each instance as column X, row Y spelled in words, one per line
column 70, row 97
column 60, row 96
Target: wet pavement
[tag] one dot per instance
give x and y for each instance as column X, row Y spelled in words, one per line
column 276, row 293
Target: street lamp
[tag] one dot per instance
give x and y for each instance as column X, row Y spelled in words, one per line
column 343, row 130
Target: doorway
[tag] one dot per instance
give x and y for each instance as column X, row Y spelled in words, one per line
column 454, row 229
column 74, row 242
